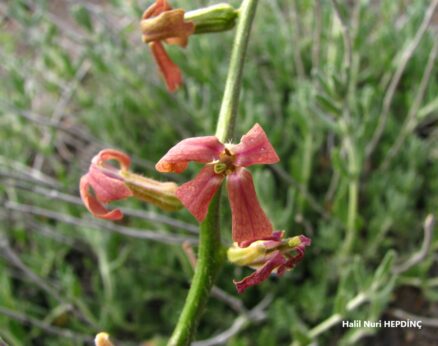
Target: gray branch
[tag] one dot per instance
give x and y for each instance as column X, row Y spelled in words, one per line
column 255, row 315
column 419, row 256
column 100, row 225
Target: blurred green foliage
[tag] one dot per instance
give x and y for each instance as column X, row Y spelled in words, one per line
column 76, row 78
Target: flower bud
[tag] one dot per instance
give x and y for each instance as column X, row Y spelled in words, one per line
column 215, row 18
column 102, row 339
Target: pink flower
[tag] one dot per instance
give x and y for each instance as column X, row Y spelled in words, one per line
column 160, row 23
column 249, row 221
column 269, row 255
column 105, row 183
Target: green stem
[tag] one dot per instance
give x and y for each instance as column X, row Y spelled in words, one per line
column 353, row 191
column 230, row 101
column 210, row 257
column 353, row 196
column 333, row 320
column 306, row 169
column 210, row 253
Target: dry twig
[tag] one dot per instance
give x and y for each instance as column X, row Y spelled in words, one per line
column 9, row 254
column 142, row 214
column 255, row 315
column 403, row 315
column 64, row 333
column 419, row 256
column 94, row 224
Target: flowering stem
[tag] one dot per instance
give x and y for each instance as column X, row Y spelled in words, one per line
column 230, row 101
column 210, row 257
column 210, row 253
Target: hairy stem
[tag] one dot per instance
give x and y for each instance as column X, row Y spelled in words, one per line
column 210, row 254
column 230, row 101
column 209, row 261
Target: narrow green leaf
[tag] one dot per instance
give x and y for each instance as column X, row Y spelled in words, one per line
column 385, row 267
column 83, row 17
column 328, row 105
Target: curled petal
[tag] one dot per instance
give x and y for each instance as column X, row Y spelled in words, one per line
column 249, row 221
column 304, row 241
column 261, row 274
column 93, row 205
column 292, row 261
column 266, row 256
column 254, row 148
column 197, row 193
column 107, row 188
column 112, row 154
column 169, row 26
column 199, row 149
column 169, row 70
column 159, row 6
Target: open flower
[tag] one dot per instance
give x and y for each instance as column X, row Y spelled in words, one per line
column 105, row 183
column 249, row 221
column 161, row 23
column 266, row 256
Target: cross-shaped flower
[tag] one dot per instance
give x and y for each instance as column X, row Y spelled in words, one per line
column 249, row 222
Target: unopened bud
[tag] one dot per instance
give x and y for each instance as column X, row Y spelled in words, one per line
column 102, row 339
column 215, row 18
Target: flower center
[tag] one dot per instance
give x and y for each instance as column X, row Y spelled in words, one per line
column 225, row 164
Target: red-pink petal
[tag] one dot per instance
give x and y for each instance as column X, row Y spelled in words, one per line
column 249, row 221
column 169, row 26
column 169, row 70
column 197, row 193
column 112, row 154
column 254, row 148
column 199, row 149
column 156, row 8
column 292, row 261
column 261, row 274
column 106, row 188
column 93, row 205
column 305, row 241
column 275, row 237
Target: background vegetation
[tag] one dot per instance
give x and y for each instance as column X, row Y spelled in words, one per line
column 357, row 135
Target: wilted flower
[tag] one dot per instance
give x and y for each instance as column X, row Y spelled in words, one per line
column 105, row 183
column 249, row 221
column 160, row 23
column 268, row 255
